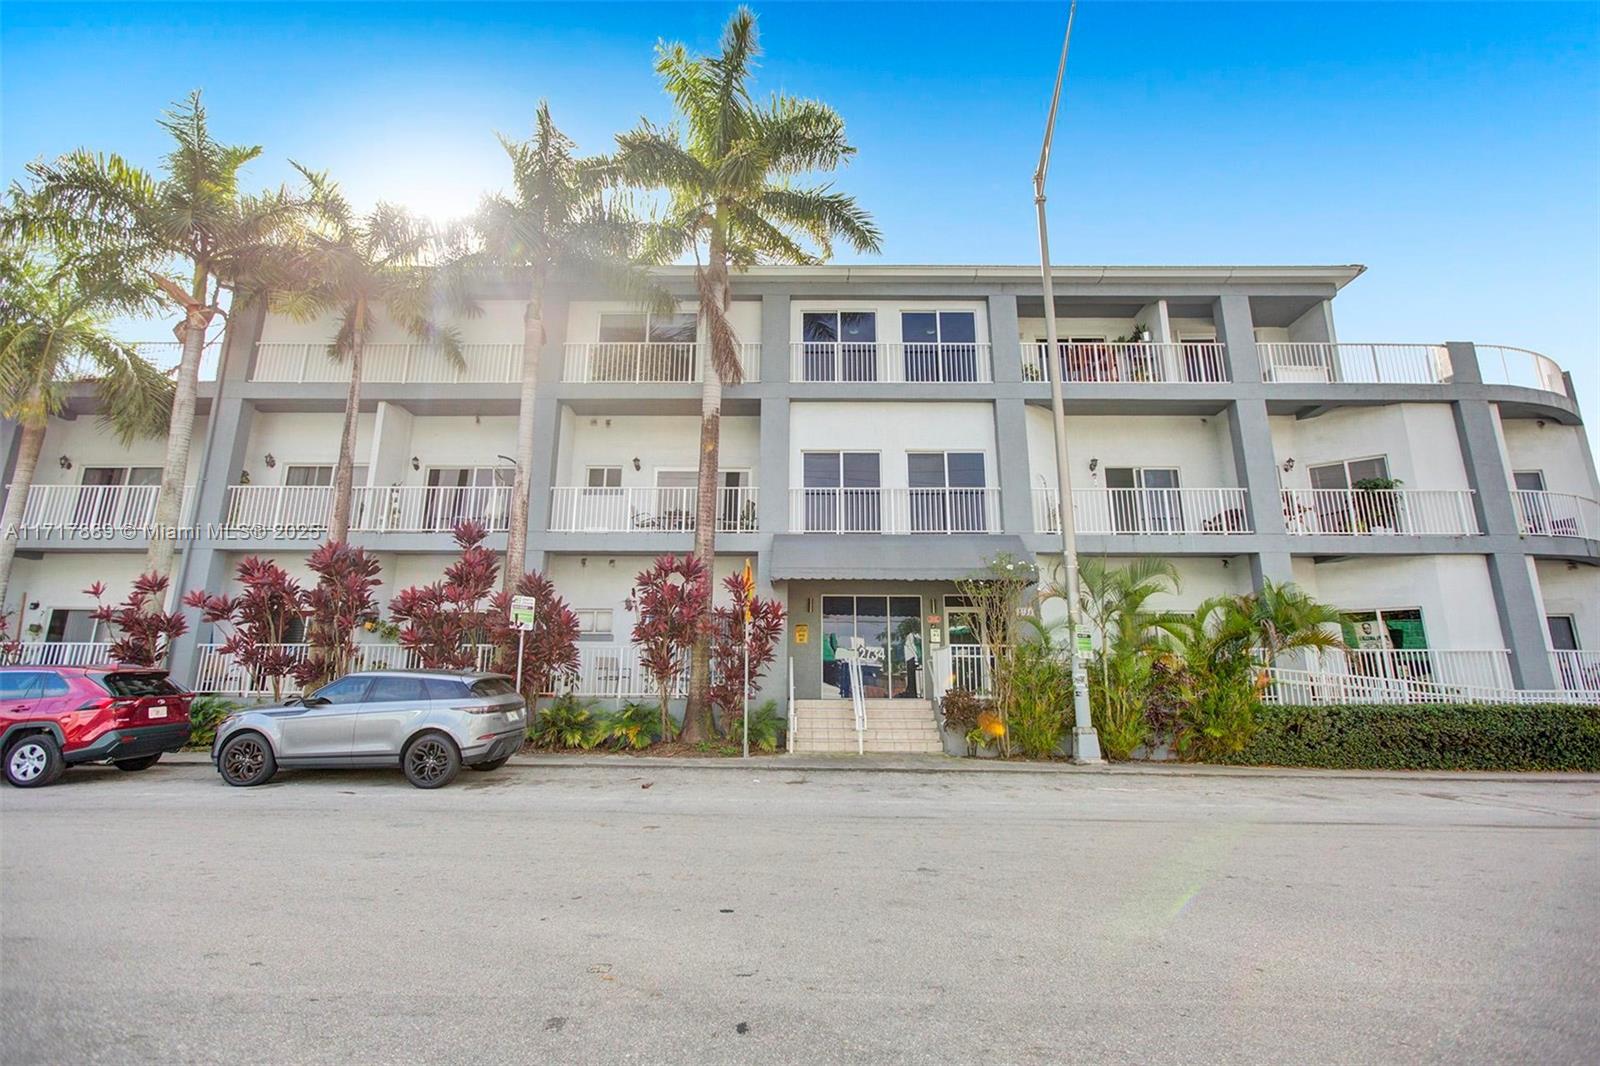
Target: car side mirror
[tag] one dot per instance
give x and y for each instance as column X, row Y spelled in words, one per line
column 316, row 701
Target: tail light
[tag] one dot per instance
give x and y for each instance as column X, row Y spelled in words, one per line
column 122, row 711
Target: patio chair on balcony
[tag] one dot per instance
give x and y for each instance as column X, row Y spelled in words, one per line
column 1232, row 520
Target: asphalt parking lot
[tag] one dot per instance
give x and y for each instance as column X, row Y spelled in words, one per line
column 644, row 913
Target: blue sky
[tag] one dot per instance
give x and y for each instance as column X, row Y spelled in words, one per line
column 1453, row 149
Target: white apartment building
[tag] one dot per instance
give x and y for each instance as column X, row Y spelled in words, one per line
column 892, row 434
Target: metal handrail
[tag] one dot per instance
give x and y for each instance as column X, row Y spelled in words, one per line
column 858, row 702
column 792, row 721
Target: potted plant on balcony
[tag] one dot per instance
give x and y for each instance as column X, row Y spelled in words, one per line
column 1377, row 508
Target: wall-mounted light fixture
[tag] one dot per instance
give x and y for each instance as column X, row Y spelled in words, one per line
column 583, row 561
column 64, row 463
column 271, row 460
column 636, row 462
column 1094, row 464
column 244, row 477
column 1288, row 465
column 416, row 464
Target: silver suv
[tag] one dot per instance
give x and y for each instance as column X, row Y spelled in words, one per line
column 429, row 722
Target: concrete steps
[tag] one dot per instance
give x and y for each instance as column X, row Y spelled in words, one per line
column 893, row 726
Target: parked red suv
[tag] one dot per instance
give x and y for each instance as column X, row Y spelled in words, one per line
column 52, row 717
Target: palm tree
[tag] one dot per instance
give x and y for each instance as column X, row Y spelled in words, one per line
column 356, row 266
column 728, row 174
column 55, row 301
column 560, row 218
column 1284, row 618
column 193, row 213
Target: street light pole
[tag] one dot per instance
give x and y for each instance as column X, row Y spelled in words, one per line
column 1085, row 742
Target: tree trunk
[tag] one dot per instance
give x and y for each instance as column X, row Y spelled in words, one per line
column 696, row 718
column 180, row 435
column 345, row 472
column 29, row 444
column 517, row 528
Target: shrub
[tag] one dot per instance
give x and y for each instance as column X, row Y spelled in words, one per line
column 1040, row 682
column 143, row 632
column 1425, row 737
column 568, row 723
column 732, row 639
column 205, row 714
column 634, row 727
column 766, row 727
column 961, row 709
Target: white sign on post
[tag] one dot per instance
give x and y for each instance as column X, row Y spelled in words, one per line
column 524, row 609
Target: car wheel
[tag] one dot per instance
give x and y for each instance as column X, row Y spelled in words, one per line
column 143, row 762
column 492, row 764
column 247, row 760
column 431, row 761
column 34, row 761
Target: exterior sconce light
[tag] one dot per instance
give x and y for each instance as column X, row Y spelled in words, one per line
column 1094, row 464
column 271, row 460
column 416, row 464
column 244, row 477
column 636, row 462
column 1288, row 465
column 583, row 561
column 64, row 463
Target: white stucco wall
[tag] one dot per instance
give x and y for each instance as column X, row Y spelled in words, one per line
column 1549, row 447
column 87, row 443
column 1452, row 591
column 583, row 318
column 1197, row 445
column 892, row 430
column 499, row 322
column 600, row 580
column 1574, row 591
column 1418, row 439
column 659, row 442
column 298, row 439
column 57, row 582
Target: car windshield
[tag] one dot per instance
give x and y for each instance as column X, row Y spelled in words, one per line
column 127, row 684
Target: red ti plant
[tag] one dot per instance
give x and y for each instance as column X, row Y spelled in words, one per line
column 668, row 601
column 142, row 632
column 550, row 648
column 258, row 619
column 10, row 650
column 341, row 600
column 731, row 638
column 447, row 620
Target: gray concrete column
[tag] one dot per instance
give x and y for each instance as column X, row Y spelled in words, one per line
column 1274, row 566
column 1521, row 612
column 1236, row 328
column 774, row 337
column 546, row 442
column 1005, row 338
column 1011, row 458
column 773, row 476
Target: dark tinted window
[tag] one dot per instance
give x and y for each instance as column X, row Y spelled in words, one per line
column 493, row 686
column 344, row 690
column 447, row 690
column 389, row 689
column 131, row 685
column 31, row 684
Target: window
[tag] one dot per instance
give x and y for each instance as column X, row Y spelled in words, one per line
column 646, row 347
column 1390, row 642
column 1144, row 506
column 841, row 492
column 1528, row 480
column 676, row 492
column 1201, row 359
column 675, row 328
column 440, row 689
column 494, row 686
column 594, row 621
column 939, row 345
column 344, row 690
column 129, row 684
column 70, row 626
column 840, row 345
column 466, row 494
column 118, row 496
column 946, row 492
column 603, row 477
column 1344, row 511
column 301, row 476
column 397, row 690
column 31, row 684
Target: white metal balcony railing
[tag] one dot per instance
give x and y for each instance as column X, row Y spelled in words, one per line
column 1500, row 365
column 1187, row 362
column 123, row 509
column 647, row 362
column 894, row 362
column 389, row 363
column 936, row 510
column 1152, row 511
column 1373, row 512
column 167, row 354
column 1556, row 514
column 1383, row 669
column 645, row 509
column 57, row 653
column 271, row 509
column 604, row 670
column 1577, row 671
column 1308, row 361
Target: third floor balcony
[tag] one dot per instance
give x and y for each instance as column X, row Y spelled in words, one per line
column 389, row 363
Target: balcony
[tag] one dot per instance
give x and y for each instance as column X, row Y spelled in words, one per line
column 274, row 510
column 1146, row 511
column 891, row 362
column 1140, row 362
column 121, row 510
column 1377, row 512
column 1393, row 675
column 583, row 509
column 1556, row 514
column 1500, row 365
column 406, row 364
column 1305, row 361
column 1577, row 671
column 893, row 511
column 646, row 362
column 57, row 653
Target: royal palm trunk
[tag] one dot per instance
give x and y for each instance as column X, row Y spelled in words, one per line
column 29, row 445
column 344, row 472
column 180, row 436
column 517, row 527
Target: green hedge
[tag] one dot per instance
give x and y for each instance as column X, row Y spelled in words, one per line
column 1426, row 737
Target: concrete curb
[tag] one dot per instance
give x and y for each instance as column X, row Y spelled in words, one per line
column 945, row 764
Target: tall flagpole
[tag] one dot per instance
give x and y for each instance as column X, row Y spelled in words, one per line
column 1085, row 742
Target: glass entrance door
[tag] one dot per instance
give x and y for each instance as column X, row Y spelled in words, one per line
column 883, row 633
